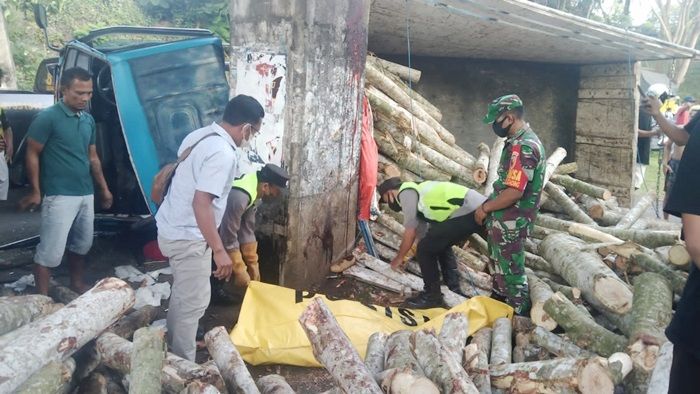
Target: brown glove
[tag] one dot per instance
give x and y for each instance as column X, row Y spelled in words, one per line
column 240, row 275
column 250, row 256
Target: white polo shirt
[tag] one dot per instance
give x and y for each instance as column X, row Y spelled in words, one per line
column 211, row 167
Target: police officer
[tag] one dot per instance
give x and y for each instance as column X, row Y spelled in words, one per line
column 237, row 228
column 510, row 211
column 444, row 212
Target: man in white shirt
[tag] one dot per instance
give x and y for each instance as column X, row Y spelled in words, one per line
column 192, row 211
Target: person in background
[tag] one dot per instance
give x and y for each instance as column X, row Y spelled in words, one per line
column 6, row 152
column 672, row 152
column 510, row 211
column 684, row 201
column 62, row 165
column 189, row 218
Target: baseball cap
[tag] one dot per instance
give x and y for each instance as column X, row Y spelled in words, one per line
column 389, row 184
column 274, row 175
column 503, row 103
column 688, row 99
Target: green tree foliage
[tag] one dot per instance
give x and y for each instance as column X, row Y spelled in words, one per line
column 206, row 14
column 68, row 19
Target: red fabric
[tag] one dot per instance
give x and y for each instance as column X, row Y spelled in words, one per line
column 151, row 252
column 516, row 178
column 369, row 160
column 683, row 116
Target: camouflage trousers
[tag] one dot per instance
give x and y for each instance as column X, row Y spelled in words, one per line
column 507, row 258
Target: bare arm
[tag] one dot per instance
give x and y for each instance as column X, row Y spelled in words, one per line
column 9, row 144
column 691, row 228
column 33, row 199
column 646, row 133
column 204, row 215
column 409, row 236
column 667, row 151
column 99, row 178
column 676, row 133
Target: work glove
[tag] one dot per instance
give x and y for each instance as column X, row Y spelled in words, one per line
column 240, row 274
column 250, row 256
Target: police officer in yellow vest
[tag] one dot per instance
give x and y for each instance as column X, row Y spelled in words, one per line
column 237, row 228
column 444, row 212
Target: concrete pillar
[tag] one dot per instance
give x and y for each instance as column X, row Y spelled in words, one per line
column 325, row 43
column 9, row 80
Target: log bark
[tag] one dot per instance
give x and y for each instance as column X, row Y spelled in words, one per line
column 147, row 358
column 405, row 73
column 427, row 105
column 570, row 207
column 115, row 353
column 385, row 236
column 581, row 329
column 572, row 293
column 374, row 356
column 470, row 260
column 678, row 255
column 553, row 162
column 60, row 334
column 479, row 244
column 574, row 185
column 16, row 311
column 62, row 294
column 635, row 212
column 585, row 375
column 54, row 378
column 95, row 383
column 566, row 168
column 587, row 272
column 399, row 354
column 652, row 264
column 556, row 344
column 540, row 292
column 482, row 164
column 494, row 162
column 229, row 361
column 405, row 381
column 549, row 205
column 274, row 384
column 333, row 350
column 522, row 324
column 198, row 387
column 480, row 372
column 407, row 159
column 454, row 333
column 391, row 169
column 658, row 383
column 406, row 279
column 127, row 325
column 610, row 217
column 438, row 366
column 373, row 278
column 501, row 342
column 592, row 206
column 391, row 223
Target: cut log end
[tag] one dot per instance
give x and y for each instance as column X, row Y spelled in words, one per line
column 644, row 355
column 596, row 211
column 616, row 297
column 607, row 195
column 594, row 379
column 479, row 176
column 678, row 255
column 541, row 318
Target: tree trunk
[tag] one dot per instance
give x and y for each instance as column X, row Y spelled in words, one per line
column 432, row 110
column 586, row 271
column 373, row 278
column 556, row 344
column 479, row 244
column 549, row 205
column 439, row 366
column 127, row 325
column 480, row 371
column 407, row 159
column 566, row 168
column 553, row 162
column 494, row 162
column 391, row 223
column 406, row 279
column 385, row 235
column 501, row 342
column 540, row 292
column 454, row 333
column 405, row 73
column 635, row 212
column 651, row 264
column 678, row 255
column 19, row 310
column 570, row 207
column 229, row 361
column 60, row 334
column 147, row 358
column 54, row 378
column 471, row 261
column 399, row 354
column 197, row 387
column 592, row 206
column 405, row 381
column 387, row 166
column 61, row 294
column 585, row 375
column 96, row 383
column 658, row 383
column 610, row 217
column 115, row 353
column 274, row 384
column 575, row 185
column 581, row 329
column 374, row 356
column 572, row 293
column 482, row 164
column 522, row 324
column 333, row 350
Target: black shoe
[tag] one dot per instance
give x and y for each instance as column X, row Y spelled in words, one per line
column 425, row 300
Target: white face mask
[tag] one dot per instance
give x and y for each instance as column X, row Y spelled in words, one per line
column 245, row 143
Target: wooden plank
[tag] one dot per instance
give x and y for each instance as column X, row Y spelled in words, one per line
column 596, row 162
column 621, row 94
column 613, row 142
column 609, row 118
column 607, row 82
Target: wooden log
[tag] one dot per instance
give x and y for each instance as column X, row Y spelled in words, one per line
column 333, row 350
column 406, row 381
column 522, row 324
column 405, row 73
column 373, row 278
column 147, row 357
column 566, row 168
column 553, row 162
column 663, row 225
column 539, row 232
column 652, row 264
column 197, row 387
column 583, row 330
column 537, row 263
column 481, row 165
column 374, row 356
column 438, row 366
column 60, row 334
column 480, row 372
column 610, row 217
column 95, row 383
column 454, row 333
column 479, row 244
column 585, row 375
column 229, row 361
column 550, row 205
column 274, row 384
column 391, row 223
column 494, row 162
column 115, row 353
column 432, row 110
column 556, row 344
column 54, row 378
column 19, row 310
column 405, row 278
column 501, row 342
column 391, row 169
column 570, row 207
column 407, row 159
column 587, row 272
column 540, row 292
column 127, row 325
column 470, row 260
column 678, row 255
column 61, row 293
column 635, row 212
column 619, row 366
column 659, row 380
column 384, row 235
column 399, row 354
column 574, row 185
column 592, row 206
column 572, row 293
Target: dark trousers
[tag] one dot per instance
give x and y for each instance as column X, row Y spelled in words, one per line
column 436, row 245
column 685, row 372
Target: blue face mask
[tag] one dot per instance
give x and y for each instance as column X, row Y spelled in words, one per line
column 499, row 129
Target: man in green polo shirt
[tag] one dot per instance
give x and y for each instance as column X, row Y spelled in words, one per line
column 62, row 164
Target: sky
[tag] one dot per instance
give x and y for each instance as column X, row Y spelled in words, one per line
column 640, row 11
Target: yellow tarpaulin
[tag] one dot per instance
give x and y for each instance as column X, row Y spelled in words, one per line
column 268, row 330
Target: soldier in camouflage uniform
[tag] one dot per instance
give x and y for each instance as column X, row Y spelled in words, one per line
column 510, row 211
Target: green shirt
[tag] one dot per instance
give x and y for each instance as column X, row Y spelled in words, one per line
column 65, row 160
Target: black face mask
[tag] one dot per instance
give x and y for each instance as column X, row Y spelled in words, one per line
column 395, row 206
column 499, row 129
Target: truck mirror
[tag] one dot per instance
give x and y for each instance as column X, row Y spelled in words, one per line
column 40, row 16
column 45, row 79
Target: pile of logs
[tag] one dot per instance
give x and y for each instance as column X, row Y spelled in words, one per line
column 602, row 278
column 96, row 343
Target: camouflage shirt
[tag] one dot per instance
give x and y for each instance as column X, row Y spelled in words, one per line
column 522, row 167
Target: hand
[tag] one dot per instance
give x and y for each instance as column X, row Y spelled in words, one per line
column 651, row 105
column 30, row 202
column 106, row 199
column 667, row 169
column 397, row 264
column 480, row 215
column 9, row 151
column 224, row 266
